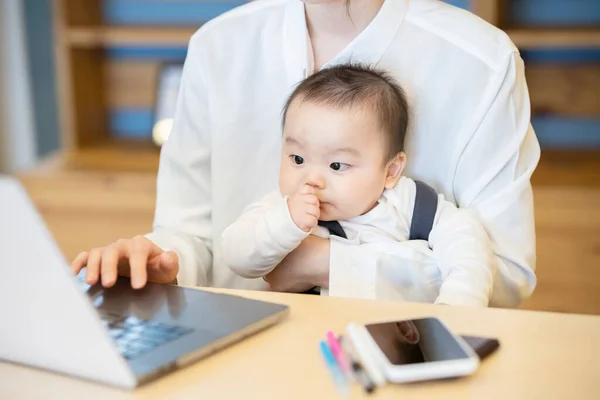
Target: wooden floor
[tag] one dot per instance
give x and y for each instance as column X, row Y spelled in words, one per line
column 85, row 207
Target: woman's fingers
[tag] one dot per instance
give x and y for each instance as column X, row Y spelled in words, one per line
column 163, row 268
column 169, row 260
column 93, row 266
column 79, row 262
column 138, row 257
column 109, row 266
column 138, row 261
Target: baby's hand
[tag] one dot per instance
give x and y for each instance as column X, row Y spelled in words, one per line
column 304, row 208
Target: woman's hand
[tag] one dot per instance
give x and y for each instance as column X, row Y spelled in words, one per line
column 304, row 268
column 138, row 258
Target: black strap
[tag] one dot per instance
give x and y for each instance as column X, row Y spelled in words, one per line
column 426, row 201
column 335, row 228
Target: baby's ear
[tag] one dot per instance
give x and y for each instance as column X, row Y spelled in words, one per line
column 394, row 170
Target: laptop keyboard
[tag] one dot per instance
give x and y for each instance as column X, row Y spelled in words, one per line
column 135, row 336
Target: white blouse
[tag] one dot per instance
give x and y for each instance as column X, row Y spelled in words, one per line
column 470, row 139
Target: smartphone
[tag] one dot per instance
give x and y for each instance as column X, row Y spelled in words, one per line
column 483, row 346
column 412, row 350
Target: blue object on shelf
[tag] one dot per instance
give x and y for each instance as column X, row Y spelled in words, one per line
column 570, row 56
column 147, row 53
column 459, row 3
column 131, row 123
column 155, row 12
column 555, row 13
column 567, row 132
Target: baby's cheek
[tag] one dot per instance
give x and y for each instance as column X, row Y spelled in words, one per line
column 364, row 196
column 285, row 182
column 355, row 200
column 285, row 189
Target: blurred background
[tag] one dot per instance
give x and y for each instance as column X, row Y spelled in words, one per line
column 87, row 91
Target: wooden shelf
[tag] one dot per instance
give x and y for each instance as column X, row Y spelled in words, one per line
column 562, row 168
column 152, row 36
column 532, row 38
column 91, row 82
column 120, row 36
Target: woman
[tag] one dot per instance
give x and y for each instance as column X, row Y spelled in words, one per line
column 471, row 139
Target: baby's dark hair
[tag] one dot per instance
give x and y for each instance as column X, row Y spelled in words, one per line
column 359, row 85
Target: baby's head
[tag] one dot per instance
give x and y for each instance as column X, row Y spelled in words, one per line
column 343, row 134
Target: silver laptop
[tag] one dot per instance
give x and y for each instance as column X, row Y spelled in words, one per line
column 117, row 336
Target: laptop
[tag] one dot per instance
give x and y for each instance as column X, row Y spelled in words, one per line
column 117, row 336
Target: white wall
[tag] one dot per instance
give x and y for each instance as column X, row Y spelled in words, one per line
column 17, row 136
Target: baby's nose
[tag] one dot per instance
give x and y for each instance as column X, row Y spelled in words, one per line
column 316, row 181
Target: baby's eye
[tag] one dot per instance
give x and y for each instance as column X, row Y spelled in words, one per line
column 337, row 166
column 297, row 159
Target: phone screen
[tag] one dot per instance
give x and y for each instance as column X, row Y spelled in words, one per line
column 416, row 341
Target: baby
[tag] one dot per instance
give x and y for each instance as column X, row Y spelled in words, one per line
column 342, row 160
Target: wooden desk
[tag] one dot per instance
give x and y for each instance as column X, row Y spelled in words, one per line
column 542, row 356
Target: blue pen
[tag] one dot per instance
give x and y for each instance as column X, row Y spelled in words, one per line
column 336, row 372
